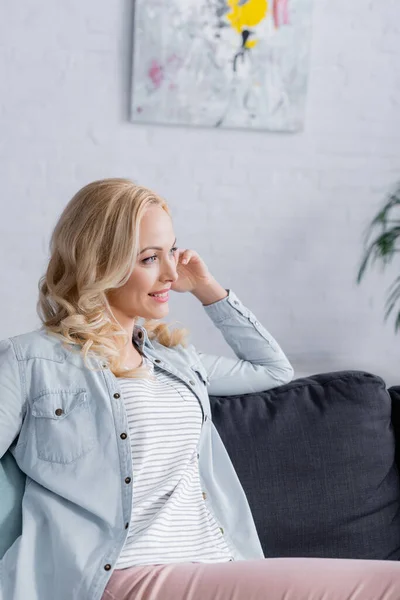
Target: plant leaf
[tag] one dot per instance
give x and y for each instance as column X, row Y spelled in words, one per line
column 397, row 322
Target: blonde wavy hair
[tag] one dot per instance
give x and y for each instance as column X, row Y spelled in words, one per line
column 93, row 249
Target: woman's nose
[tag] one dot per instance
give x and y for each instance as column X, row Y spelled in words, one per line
column 170, row 271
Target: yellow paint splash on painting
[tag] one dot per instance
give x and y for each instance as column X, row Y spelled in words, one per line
column 251, row 43
column 247, row 15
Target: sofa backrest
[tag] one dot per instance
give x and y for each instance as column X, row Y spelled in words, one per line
column 316, row 458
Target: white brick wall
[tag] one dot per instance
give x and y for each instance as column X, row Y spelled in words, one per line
column 279, row 218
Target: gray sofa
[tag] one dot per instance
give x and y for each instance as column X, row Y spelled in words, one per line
column 317, row 459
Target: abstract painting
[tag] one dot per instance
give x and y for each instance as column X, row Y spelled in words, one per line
column 221, row 63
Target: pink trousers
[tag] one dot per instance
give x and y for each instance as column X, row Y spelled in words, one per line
column 261, row 579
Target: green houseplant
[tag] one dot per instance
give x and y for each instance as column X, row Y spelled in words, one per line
column 385, row 246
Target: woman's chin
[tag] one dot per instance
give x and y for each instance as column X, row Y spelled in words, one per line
column 157, row 312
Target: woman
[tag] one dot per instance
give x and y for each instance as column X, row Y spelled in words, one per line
column 130, row 492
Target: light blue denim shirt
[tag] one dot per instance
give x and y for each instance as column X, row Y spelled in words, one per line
column 63, row 425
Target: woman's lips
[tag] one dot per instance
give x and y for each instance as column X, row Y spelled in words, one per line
column 162, row 298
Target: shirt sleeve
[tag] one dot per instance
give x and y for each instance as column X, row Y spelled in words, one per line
column 261, row 363
column 11, row 402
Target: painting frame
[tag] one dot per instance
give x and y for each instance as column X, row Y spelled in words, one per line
column 208, row 63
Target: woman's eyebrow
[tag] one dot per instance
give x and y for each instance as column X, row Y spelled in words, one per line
column 154, row 247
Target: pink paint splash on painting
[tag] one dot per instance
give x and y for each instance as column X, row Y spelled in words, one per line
column 156, row 73
column 280, row 12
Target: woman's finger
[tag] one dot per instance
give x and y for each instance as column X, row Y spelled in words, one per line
column 186, row 257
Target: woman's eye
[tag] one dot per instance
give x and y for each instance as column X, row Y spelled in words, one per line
column 149, row 259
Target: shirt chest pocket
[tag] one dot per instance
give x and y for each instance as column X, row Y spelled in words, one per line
column 64, row 425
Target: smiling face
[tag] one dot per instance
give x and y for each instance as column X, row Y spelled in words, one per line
column 154, row 271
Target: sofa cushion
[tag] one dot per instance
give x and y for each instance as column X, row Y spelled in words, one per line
column 316, row 458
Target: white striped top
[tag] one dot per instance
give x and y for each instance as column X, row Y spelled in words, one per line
column 170, row 519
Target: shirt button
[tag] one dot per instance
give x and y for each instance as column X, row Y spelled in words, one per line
column 191, row 382
column 157, row 360
column 198, row 456
column 126, row 525
column 117, row 395
column 59, row 412
column 104, row 366
column 123, row 436
column 206, row 417
column 235, row 302
column 107, row 567
column 127, row 479
column 140, row 334
column 204, row 495
column 222, row 531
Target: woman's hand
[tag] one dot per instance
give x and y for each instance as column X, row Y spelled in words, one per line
column 192, row 274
